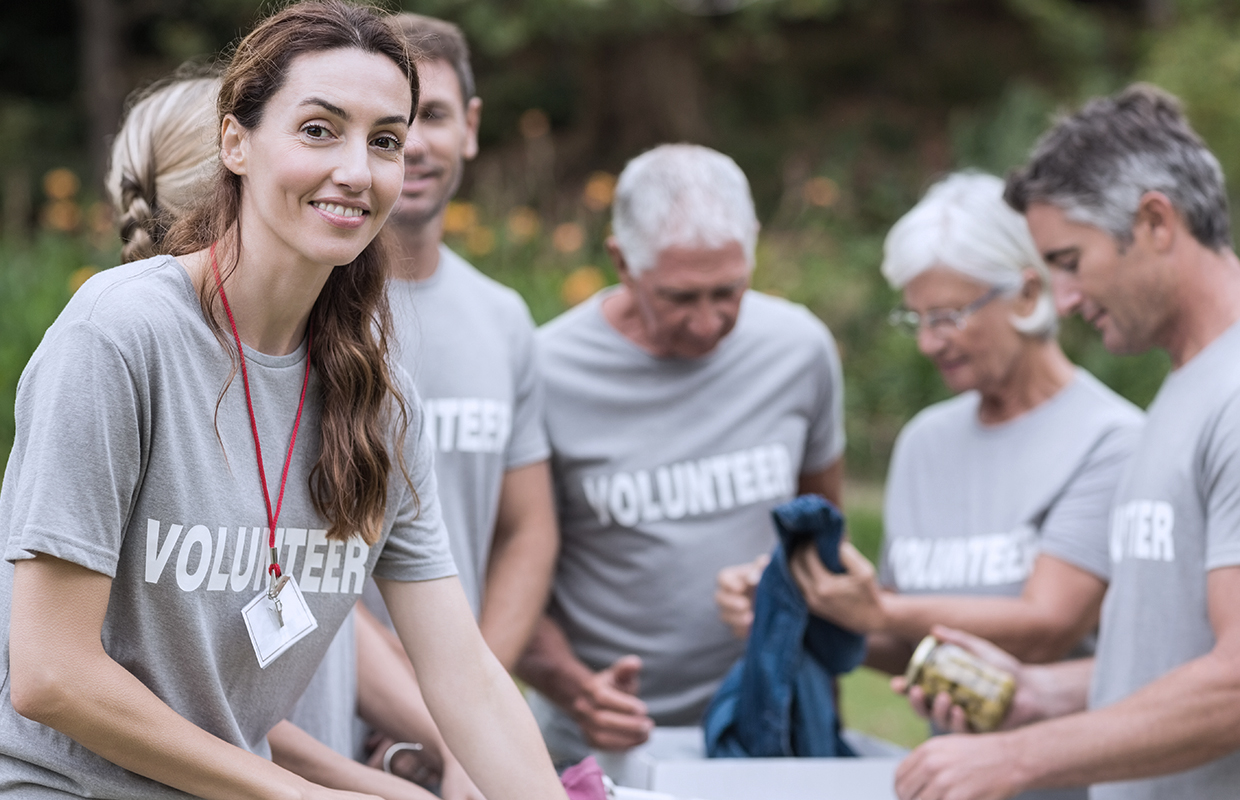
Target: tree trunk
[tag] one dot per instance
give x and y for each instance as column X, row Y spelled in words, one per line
column 1159, row 13
column 100, row 79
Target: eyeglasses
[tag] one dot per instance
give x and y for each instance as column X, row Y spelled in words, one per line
column 939, row 322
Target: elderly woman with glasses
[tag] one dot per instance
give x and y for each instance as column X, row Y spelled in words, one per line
column 997, row 504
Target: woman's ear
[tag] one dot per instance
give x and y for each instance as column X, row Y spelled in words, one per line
column 234, row 145
column 1031, row 288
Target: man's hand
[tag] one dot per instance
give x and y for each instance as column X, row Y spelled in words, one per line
column 1032, row 701
column 608, row 710
column 852, row 600
column 961, row 768
column 734, row 593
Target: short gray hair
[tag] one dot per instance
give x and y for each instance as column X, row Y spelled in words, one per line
column 681, row 195
column 963, row 224
column 1097, row 163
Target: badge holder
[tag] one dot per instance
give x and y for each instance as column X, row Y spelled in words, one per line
column 277, row 619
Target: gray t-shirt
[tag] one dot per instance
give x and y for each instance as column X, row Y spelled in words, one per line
column 666, row 470
column 468, row 342
column 1176, row 517
column 327, row 708
column 117, row 467
column 969, row 506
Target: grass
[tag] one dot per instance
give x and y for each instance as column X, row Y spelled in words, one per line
column 866, row 701
column 867, row 704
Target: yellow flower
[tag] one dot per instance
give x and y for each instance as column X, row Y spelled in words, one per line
column 568, row 237
column 62, row 215
column 599, row 191
column 479, row 240
column 80, row 276
column 459, row 217
column 523, row 224
column 821, row 192
column 581, row 283
column 61, row 184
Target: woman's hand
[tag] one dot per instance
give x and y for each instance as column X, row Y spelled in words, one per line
column 1030, row 703
column 851, row 600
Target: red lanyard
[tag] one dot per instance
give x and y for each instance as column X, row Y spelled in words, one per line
column 274, row 569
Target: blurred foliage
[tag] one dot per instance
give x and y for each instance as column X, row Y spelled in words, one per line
column 841, row 112
column 36, row 280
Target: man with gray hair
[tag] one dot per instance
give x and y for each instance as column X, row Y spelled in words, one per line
column 681, row 407
column 1128, row 207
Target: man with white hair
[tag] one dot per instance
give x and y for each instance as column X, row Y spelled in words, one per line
column 681, row 407
column 1126, row 202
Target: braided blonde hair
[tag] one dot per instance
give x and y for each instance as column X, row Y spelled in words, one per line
column 163, row 159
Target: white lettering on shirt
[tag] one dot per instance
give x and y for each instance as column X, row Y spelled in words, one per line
column 157, row 559
column 691, row 488
column 1143, row 530
column 315, row 545
column 198, row 535
column 960, row 562
column 468, row 424
column 327, row 566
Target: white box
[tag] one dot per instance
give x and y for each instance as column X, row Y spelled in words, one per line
column 776, row 779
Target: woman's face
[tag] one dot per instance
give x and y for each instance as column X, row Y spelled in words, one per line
column 981, row 352
column 324, row 167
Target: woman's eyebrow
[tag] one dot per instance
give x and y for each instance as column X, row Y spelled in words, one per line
column 336, row 110
column 330, row 108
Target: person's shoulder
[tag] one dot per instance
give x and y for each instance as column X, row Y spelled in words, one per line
column 572, row 324
column 135, row 298
column 1094, row 395
column 779, row 317
column 952, row 414
column 483, row 289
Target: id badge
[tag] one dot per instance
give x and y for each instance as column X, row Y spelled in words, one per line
column 276, row 625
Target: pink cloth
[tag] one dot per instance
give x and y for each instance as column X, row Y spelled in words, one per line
column 584, row 781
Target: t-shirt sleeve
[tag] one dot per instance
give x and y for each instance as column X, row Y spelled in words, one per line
column 825, row 441
column 1077, row 527
column 417, row 547
column 77, row 458
column 1220, row 484
column 895, row 497
column 528, row 441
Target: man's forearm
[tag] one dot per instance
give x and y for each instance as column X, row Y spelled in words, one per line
column 521, row 563
column 887, row 653
column 550, row 666
column 1031, row 633
column 1058, row 606
column 1186, row 718
column 302, row 754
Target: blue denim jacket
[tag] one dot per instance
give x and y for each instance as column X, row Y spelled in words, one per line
column 779, row 699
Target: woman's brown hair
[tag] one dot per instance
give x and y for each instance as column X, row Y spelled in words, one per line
column 350, row 319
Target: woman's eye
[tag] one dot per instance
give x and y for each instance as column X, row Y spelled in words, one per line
column 315, row 131
column 388, row 143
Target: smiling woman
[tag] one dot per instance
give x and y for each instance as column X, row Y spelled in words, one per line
column 168, row 601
